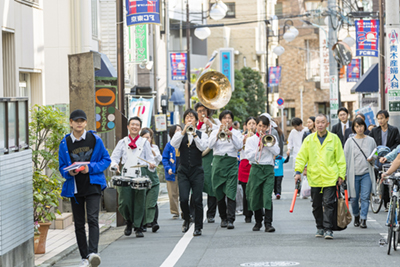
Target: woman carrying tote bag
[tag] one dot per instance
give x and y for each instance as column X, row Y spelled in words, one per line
column 360, row 171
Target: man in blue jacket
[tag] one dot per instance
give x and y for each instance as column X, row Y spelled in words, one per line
column 84, row 186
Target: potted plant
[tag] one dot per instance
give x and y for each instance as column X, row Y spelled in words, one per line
column 36, row 234
column 47, row 127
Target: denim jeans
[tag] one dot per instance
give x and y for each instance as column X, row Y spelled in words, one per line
column 362, row 184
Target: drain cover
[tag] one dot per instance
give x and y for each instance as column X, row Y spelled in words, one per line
column 270, row 263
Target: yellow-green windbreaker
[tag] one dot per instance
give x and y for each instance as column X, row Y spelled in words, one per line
column 325, row 163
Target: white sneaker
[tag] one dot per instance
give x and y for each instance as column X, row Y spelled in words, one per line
column 94, row 260
column 84, row 263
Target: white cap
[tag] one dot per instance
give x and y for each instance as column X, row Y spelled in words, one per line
column 273, row 124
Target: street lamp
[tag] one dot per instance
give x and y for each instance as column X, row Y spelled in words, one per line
column 279, row 50
column 202, row 33
column 218, row 10
column 349, row 40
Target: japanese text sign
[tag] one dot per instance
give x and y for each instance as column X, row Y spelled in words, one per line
column 142, row 12
column 367, row 32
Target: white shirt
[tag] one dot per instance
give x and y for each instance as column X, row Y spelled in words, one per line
column 201, row 143
column 295, row 140
column 157, row 157
column 121, row 150
column 267, row 153
column 343, row 124
column 214, row 126
column 231, row 147
column 83, row 136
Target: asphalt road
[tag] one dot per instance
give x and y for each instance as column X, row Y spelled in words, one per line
column 293, row 243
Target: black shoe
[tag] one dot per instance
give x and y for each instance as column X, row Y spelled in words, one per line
column 128, row 228
column 269, row 228
column 139, row 233
column 357, row 221
column 143, row 229
column 363, row 223
column 210, row 220
column 230, row 225
column 247, row 220
column 197, row 232
column 185, row 226
column 149, row 225
column 257, row 227
column 224, row 223
column 155, row 227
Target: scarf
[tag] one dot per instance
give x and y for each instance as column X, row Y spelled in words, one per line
column 200, row 124
column 132, row 144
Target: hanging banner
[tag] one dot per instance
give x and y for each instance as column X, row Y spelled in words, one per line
column 138, row 45
column 353, row 70
column 178, row 66
column 142, row 12
column 206, row 68
column 106, row 100
column 143, row 108
column 274, row 76
column 227, row 65
column 324, row 58
column 392, row 72
column 367, row 32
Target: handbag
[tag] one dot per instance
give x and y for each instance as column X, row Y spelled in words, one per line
column 362, row 151
column 341, row 213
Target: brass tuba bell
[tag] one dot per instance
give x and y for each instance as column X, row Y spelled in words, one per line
column 213, row 90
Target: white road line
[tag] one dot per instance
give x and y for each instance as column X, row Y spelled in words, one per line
column 178, row 250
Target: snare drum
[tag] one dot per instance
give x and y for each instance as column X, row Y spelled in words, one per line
column 121, row 181
column 141, row 183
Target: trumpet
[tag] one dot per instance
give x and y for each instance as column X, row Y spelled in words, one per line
column 223, row 136
column 190, row 129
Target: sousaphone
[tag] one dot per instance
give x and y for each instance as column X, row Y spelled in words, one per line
column 213, row 90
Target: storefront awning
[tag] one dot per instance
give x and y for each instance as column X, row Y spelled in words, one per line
column 107, row 69
column 369, row 82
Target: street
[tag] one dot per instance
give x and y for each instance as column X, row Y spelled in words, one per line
column 293, row 243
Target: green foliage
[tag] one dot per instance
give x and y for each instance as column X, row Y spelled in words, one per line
column 46, row 192
column 238, row 104
column 46, row 129
column 255, row 91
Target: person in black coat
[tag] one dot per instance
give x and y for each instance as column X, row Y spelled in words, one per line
column 349, row 132
column 385, row 135
column 340, row 128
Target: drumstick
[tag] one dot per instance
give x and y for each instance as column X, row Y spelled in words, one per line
column 145, row 160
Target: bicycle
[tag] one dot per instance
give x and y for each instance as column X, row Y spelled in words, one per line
column 375, row 200
column 393, row 219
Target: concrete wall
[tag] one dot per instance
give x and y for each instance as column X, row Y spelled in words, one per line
column 16, row 209
column 67, row 30
column 26, row 22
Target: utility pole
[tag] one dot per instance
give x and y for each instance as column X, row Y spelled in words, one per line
column 187, row 101
column 392, row 60
column 381, row 55
column 333, row 73
column 120, row 128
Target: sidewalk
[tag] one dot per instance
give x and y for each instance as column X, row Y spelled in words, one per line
column 60, row 243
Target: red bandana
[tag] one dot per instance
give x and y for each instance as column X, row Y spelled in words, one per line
column 200, row 124
column 230, row 129
column 132, row 144
column 258, row 135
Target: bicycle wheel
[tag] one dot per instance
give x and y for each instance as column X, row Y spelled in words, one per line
column 391, row 224
column 375, row 202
